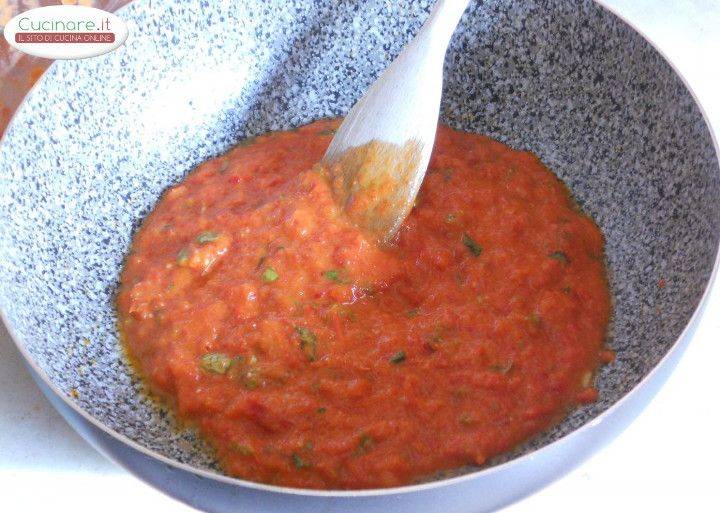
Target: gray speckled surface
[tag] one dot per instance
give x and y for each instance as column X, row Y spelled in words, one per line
column 98, row 140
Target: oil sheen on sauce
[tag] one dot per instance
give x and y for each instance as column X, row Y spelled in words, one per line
column 310, row 356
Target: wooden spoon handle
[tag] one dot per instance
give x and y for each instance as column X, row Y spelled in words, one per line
column 443, row 21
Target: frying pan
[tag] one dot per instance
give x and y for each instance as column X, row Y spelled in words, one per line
column 96, row 142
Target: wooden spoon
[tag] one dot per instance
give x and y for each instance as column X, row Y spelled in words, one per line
column 379, row 155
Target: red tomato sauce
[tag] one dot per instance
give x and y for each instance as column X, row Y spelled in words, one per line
column 310, row 356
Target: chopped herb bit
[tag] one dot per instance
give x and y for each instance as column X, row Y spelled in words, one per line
column 502, row 368
column 247, row 372
column 308, row 446
column 328, row 131
column 450, row 218
column 299, row 462
column 465, row 419
column 269, row 275
column 534, row 318
column 413, row 312
column 560, row 257
column 365, row 444
column 460, row 393
column 447, row 173
column 566, row 290
column 308, row 342
column 473, row 246
column 183, row 256
column 321, row 410
column 208, row 236
column 217, row 363
column 247, row 142
column 436, row 337
column 243, row 450
column 398, row 357
column 333, row 275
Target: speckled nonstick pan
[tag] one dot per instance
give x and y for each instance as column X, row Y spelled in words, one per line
column 98, row 140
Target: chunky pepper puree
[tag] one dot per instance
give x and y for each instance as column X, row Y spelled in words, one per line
column 311, row 356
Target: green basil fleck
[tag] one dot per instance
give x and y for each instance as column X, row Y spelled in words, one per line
column 447, row 173
column 299, row 462
column 560, row 257
column 183, row 256
column 398, row 357
column 243, row 450
column 472, row 246
column 217, row 363
column 502, row 368
column 308, row 342
column 208, row 236
column 321, row 410
column 269, row 275
column 333, row 275
column 365, row 444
